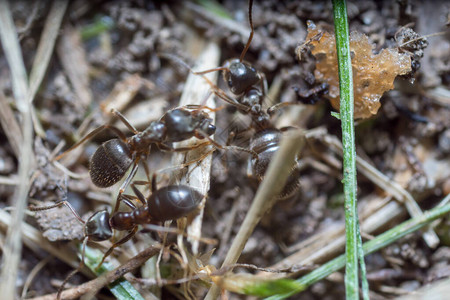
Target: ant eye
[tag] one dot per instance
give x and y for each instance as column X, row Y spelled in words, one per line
column 211, row 129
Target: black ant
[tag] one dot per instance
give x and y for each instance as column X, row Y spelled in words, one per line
column 249, row 87
column 167, row 203
column 113, row 158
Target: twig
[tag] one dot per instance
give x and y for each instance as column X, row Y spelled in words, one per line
column 96, row 284
column 197, row 91
column 46, row 45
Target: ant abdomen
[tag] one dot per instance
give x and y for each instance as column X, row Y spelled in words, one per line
column 173, row 202
column 110, row 163
column 168, row 203
column 265, row 144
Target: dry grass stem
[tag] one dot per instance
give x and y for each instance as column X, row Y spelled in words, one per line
column 440, row 94
column 73, row 60
column 43, row 54
column 197, row 91
column 10, row 125
column 389, row 186
column 23, row 96
column 330, row 242
column 437, row 290
column 230, row 24
column 144, row 112
column 122, row 93
column 13, row 246
column 274, row 181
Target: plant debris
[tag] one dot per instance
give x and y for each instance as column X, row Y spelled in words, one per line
column 373, row 74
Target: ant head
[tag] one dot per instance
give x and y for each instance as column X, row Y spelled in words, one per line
column 97, row 227
column 240, row 76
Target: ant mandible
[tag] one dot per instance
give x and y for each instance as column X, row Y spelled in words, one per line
column 114, row 157
column 167, row 203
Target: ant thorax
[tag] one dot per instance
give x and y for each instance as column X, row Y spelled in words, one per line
column 182, row 124
column 154, row 133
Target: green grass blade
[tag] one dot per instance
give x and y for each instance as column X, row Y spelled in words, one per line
column 369, row 247
column 348, row 142
column 121, row 289
column 364, row 282
column 100, row 25
column 215, row 8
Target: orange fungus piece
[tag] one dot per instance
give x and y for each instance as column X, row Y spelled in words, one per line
column 373, row 74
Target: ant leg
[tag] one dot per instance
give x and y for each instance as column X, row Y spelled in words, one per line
column 228, row 147
column 166, row 147
column 197, row 106
column 58, row 204
column 184, row 165
column 147, row 170
column 124, row 120
column 184, row 64
column 153, row 227
column 127, row 199
column 274, row 108
column 263, row 84
column 91, row 135
column 222, row 95
column 138, row 193
column 154, row 183
column 125, row 184
column 115, row 245
column 209, row 71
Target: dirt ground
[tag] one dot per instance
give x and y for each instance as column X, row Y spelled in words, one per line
column 108, row 54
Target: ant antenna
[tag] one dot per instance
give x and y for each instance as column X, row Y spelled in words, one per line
column 250, row 3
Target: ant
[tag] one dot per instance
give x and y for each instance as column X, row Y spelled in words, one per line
column 167, row 203
column 113, row 158
column 249, row 88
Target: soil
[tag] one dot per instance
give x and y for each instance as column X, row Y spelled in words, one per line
column 408, row 140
